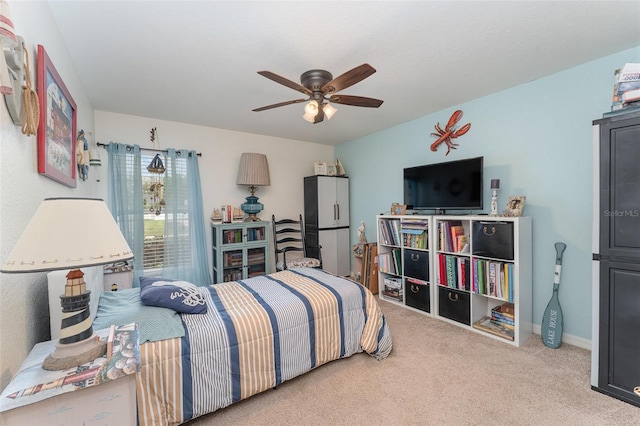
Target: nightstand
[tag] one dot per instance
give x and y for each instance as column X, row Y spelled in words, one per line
column 98, row 391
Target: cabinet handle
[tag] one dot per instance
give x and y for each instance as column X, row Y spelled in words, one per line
column 485, row 231
column 338, row 210
column 453, row 297
column 415, row 288
column 415, row 257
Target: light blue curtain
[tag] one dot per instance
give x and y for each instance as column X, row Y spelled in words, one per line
column 125, row 198
column 185, row 248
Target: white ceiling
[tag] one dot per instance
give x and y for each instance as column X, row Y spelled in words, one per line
column 196, row 61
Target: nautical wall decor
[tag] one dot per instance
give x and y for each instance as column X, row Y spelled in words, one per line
column 449, row 132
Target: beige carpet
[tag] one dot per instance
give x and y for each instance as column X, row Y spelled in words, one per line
column 438, row 374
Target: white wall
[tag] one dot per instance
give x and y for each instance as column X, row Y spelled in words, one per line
column 24, row 311
column 289, row 161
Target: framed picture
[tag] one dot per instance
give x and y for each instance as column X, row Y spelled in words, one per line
column 515, row 204
column 57, row 127
column 398, row 208
column 331, row 169
column 320, row 168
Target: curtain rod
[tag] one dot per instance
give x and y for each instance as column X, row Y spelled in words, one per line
column 104, row 145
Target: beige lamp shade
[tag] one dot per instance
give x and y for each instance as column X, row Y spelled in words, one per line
column 253, row 170
column 68, row 233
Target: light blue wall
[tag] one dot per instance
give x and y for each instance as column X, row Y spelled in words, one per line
column 537, row 139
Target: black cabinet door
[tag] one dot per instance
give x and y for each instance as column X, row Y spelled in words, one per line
column 620, row 189
column 619, row 337
column 619, row 281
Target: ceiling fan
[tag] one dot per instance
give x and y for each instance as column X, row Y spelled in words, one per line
column 321, row 89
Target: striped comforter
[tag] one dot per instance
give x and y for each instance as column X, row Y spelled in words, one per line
column 257, row 334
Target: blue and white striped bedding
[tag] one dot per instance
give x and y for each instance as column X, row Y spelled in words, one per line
column 257, row 334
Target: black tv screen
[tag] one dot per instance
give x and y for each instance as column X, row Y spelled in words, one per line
column 452, row 185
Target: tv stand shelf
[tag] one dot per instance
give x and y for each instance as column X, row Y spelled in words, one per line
column 434, row 265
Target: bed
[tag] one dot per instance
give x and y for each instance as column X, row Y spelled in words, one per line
column 255, row 334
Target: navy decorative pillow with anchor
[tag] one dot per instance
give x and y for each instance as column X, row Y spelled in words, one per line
column 181, row 296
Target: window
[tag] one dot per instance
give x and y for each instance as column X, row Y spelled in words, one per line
column 155, row 214
column 154, row 218
column 160, row 215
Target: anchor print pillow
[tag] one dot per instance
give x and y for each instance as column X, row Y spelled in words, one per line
column 181, row 296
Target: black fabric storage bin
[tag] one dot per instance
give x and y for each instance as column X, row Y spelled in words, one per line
column 416, row 264
column 417, row 295
column 493, row 239
column 454, row 305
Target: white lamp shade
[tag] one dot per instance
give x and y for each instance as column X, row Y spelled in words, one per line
column 253, row 170
column 68, row 233
column 7, row 31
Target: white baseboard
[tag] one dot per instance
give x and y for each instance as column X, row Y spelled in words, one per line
column 568, row 338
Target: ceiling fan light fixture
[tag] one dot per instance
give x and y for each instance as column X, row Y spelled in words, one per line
column 309, row 117
column 329, row 110
column 311, row 107
column 310, row 111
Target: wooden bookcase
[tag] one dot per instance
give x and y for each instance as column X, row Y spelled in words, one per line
column 424, row 267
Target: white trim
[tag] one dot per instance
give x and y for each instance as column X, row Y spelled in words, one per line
column 567, row 338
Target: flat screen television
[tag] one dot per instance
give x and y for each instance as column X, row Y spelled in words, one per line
column 451, row 185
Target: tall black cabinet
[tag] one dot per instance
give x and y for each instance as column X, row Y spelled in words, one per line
column 326, row 219
column 615, row 368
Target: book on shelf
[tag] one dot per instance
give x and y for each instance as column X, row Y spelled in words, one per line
column 390, row 262
column 392, row 288
column 414, row 238
column 415, row 233
column 485, row 324
column 390, row 232
column 450, row 236
column 397, row 259
column 504, row 316
column 457, row 231
column 415, row 281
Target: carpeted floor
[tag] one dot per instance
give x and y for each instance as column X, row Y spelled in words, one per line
column 438, row 374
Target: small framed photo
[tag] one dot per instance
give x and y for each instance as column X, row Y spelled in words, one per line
column 57, row 127
column 515, row 204
column 320, row 168
column 398, row 209
column 331, row 169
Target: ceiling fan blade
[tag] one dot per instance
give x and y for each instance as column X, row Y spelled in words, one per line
column 296, row 101
column 285, row 82
column 348, row 79
column 356, row 101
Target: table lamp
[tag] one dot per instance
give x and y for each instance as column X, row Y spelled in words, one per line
column 253, row 171
column 70, row 233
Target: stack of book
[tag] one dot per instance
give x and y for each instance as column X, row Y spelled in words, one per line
column 415, row 234
column 503, row 316
column 390, row 232
column 453, row 271
column 501, row 323
column 393, row 289
column 626, row 90
column 452, row 237
column 390, row 262
column 493, row 278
